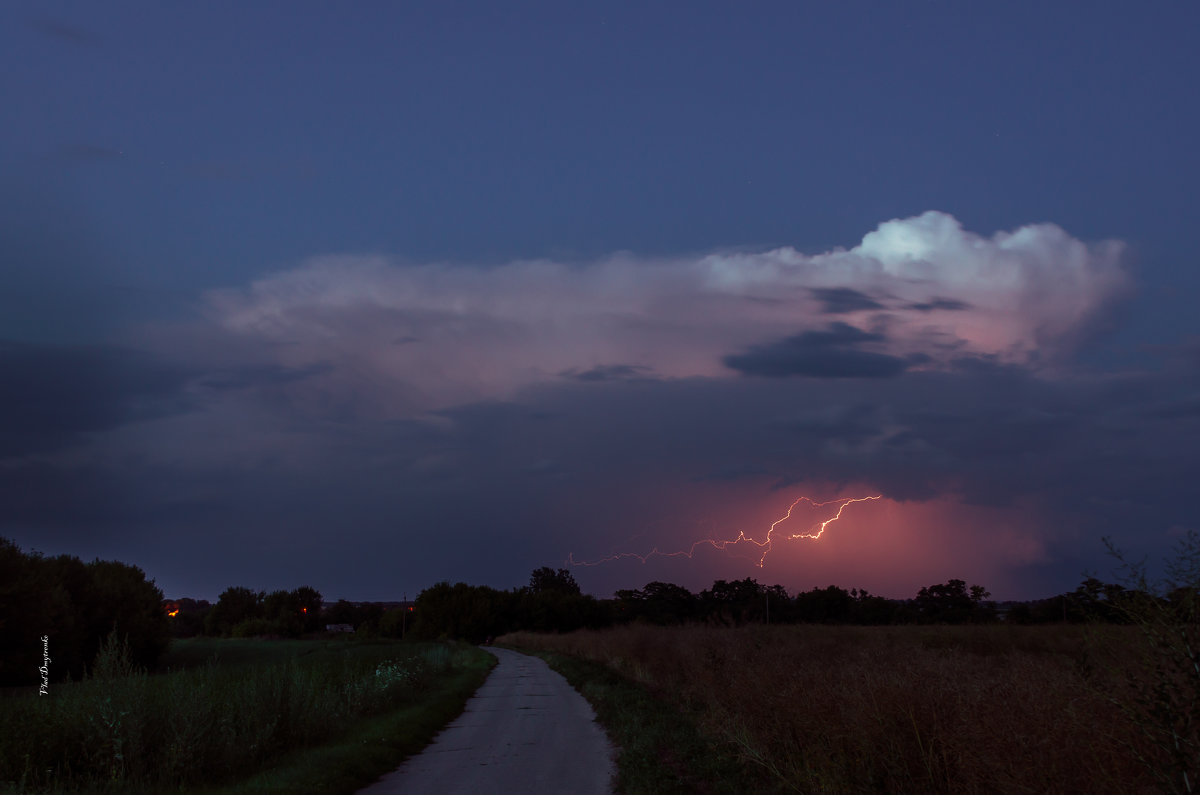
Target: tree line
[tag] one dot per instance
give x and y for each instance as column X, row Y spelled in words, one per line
column 76, row 606
column 553, row 602
column 241, row 612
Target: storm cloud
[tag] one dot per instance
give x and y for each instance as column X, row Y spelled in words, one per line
column 51, row 396
column 834, row 353
column 643, row 400
column 1017, row 467
column 1030, row 297
column 839, row 300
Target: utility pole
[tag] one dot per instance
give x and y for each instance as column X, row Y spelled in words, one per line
column 767, row 598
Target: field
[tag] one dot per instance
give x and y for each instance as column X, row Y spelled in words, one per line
column 238, row 715
column 968, row 709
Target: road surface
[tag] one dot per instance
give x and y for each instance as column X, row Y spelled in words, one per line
column 524, row 731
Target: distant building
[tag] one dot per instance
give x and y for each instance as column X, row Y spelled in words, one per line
column 339, row 627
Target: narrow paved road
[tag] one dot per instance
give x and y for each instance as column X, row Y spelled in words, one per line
column 524, row 731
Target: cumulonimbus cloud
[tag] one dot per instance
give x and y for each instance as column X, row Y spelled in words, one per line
column 922, row 290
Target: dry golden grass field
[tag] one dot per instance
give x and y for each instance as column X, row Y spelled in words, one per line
column 967, row 709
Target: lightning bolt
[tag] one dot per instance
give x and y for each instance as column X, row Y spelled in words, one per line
column 765, row 545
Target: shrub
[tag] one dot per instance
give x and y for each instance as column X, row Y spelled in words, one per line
column 1162, row 694
column 254, row 628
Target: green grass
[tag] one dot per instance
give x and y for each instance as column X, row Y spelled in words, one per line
column 195, row 652
column 375, row 746
column 313, row 716
column 661, row 748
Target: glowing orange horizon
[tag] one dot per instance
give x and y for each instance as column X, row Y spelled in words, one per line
column 721, row 544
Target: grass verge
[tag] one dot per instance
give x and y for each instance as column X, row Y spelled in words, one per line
column 375, row 746
column 326, row 718
column 661, row 748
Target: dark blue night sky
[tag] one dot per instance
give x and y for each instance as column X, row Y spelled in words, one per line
column 368, row 297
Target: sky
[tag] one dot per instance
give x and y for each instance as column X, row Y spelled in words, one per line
column 369, row 297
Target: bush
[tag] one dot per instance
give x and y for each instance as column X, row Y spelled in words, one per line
column 1163, row 697
column 253, row 628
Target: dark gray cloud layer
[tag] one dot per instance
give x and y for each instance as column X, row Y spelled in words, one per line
column 381, row 423
column 608, row 372
column 944, row 304
column 503, row 483
column 51, row 396
column 833, row 353
column 840, row 300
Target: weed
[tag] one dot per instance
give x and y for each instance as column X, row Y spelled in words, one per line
column 1161, row 696
column 126, row 730
column 968, row 709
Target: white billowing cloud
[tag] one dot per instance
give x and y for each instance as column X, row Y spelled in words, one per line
column 1038, row 286
column 1029, row 294
column 421, row 337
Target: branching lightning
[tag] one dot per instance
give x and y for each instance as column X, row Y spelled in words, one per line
column 765, row 545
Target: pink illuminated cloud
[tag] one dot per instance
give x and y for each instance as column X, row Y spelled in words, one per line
column 434, row 335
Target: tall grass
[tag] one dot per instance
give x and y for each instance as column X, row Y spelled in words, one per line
column 124, row 730
column 892, row 709
column 662, row 751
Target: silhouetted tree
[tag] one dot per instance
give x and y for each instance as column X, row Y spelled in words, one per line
column 79, row 633
column 1091, row 601
column 734, row 602
column 74, row 605
column 546, row 579
column 829, row 605
column 667, row 603
column 292, row 613
column 188, row 618
column 366, row 619
column 779, row 607
column 308, row 599
column 869, row 609
column 954, row 603
column 33, row 603
column 129, row 605
column 282, row 613
column 234, row 606
column 396, row 622
column 469, row 612
column 341, row 612
column 658, row 603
